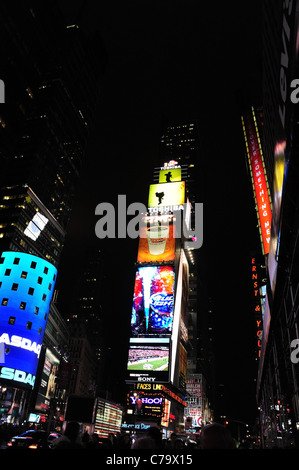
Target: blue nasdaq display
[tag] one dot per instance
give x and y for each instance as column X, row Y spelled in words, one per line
column 26, row 288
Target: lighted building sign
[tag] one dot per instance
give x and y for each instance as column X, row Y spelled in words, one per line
column 153, row 301
column 35, row 226
column 157, row 239
column 148, row 362
column 170, row 175
column 258, row 176
column 257, row 305
column 146, row 404
column 26, row 289
column 47, row 385
column 108, row 418
column 166, row 195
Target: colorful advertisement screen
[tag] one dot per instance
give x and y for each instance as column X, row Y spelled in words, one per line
column 166, row 194
column 26, row 288
column 170, row 175
column 148, row 361
column 47, row 384
column 152, row 313
column 157, row 239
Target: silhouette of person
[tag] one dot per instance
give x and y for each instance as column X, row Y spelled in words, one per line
column 70, row 439
column 216, row 436
column 160, row 197
column 168, row 177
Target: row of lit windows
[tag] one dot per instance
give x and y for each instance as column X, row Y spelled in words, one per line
column 22, row 306
column 24, row 273
column 23, row 276
column 12, row 320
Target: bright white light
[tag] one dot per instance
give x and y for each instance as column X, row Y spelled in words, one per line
column 35, row 226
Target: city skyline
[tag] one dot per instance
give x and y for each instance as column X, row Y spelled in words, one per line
column 129, row 131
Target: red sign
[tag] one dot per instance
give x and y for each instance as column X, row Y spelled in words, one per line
column 260, row 186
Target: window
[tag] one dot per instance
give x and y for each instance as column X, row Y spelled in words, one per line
column 24, row 274
column 33, row 265
column 2, row 260
column 14, row 286
column 7, row 272
column 36, row 310
column 4, row 302
column 30, row 291
column 46, row 270
column 39, row 330
column 40, row 280
column 50, row 286
column 44, row 297
column 16, row 261
column 11, row 320
column 22, row 305
column 29, row 325
column 45, row 317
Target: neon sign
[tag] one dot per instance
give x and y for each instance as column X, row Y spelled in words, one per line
column 258, row 177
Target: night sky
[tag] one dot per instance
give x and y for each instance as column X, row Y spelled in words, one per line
column 174, row 60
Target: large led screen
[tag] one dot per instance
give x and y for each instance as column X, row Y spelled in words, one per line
column 148, row 360
column 26, row 289
column 166, row 194
column 157, row 239
column 170, row 175
column 152, row 312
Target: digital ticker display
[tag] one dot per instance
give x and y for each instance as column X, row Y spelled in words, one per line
column 152, row 313
column 26, row 288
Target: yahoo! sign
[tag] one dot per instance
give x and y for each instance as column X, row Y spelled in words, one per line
column 111, row 220
column 146, row 400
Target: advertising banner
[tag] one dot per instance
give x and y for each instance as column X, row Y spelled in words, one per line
column 157, row 239
column 170, row 175
column 259, row 180
column 166, row 194
column 148, row 362
column 152, row 312
column 27, row 285
column 47, row 385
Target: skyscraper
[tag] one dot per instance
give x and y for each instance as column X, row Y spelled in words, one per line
column 51, row 73
column 277, row 390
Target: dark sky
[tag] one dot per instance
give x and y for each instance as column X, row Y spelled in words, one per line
column 175, row 60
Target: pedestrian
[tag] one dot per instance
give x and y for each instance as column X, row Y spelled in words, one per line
column 154, row 433
column 70, row 439
column 145, row 442
column 170, row 443
column 216, row 436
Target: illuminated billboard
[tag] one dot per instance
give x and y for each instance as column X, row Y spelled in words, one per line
column 157, row 239
column 170, row 175
column 148, row 361
column 166, row 194
column 26, row 289
column 47, row 384
column 146, row 404
column 108, row 418
column 153, row 301
column 258, row 176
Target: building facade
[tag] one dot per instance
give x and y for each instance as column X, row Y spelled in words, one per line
column 51, row 76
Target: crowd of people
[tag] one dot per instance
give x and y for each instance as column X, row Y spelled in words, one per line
column 213, row 436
